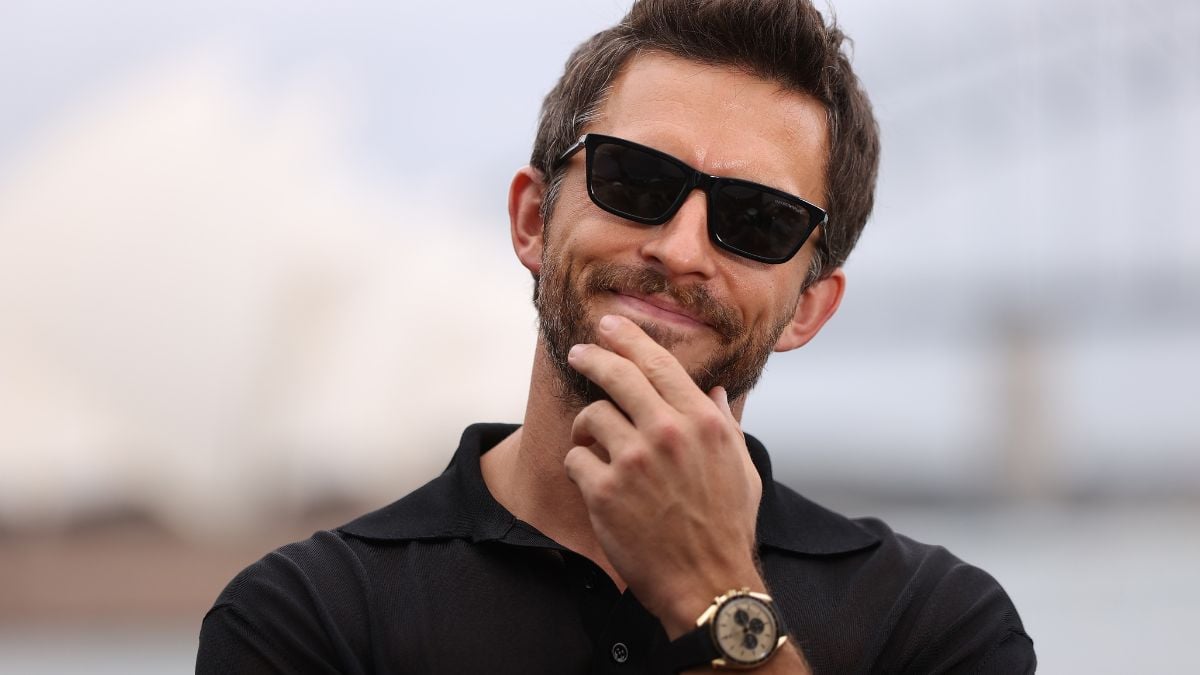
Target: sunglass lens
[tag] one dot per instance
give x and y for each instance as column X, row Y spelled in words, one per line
column 762, row 224
column 633, row 182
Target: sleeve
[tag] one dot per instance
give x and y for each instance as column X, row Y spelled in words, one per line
column 971, row 626
column 298, row 609
column 230, row 643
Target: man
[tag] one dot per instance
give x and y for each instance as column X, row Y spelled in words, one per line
column 700, row 173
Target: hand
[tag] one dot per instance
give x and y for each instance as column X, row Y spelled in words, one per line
column 675, row 504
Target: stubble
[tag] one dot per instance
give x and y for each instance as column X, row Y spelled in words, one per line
column 562, row 303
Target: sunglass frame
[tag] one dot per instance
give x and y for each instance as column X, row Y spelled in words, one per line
column 695, row 179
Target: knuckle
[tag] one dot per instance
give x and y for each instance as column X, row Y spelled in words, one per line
column 625, row 369
column 584, row 417
column 571, row 461
column 594, row 411
column 634, row 459
column 570, row 467
column 711, row 423
column 666, row 431
column 603, row 492
column 613, row 371
column 605, row 409
column 579, row 430
column 659, row 362
column 590, row 418
column 590, row 359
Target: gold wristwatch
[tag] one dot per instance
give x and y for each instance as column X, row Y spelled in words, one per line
column 739, row 630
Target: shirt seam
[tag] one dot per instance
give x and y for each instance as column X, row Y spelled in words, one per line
column 991, row 653
column 240, row 616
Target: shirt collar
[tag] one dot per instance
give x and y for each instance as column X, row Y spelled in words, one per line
column 457, row 505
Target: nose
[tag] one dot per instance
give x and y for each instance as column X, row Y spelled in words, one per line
column 681, row 246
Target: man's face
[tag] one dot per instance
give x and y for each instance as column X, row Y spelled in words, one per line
column 718, row 313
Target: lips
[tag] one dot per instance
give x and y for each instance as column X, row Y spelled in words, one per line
column 647, row 291
column 663, row 307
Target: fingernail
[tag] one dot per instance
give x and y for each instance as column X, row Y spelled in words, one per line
column 576, row 350
column 609, row 322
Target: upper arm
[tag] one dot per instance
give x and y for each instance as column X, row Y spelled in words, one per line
column 230, row 642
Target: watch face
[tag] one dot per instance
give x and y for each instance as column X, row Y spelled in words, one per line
column 745, row 630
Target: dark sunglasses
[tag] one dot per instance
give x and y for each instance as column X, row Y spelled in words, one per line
column 647, row 186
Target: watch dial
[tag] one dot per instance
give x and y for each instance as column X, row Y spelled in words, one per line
column 745, row 630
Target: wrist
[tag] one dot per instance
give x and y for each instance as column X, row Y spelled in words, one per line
column 684, row 607
column 681, row 616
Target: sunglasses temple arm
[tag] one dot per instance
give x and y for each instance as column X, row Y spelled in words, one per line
column 575, row 147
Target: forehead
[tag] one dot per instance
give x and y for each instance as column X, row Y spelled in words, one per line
column 721, row 120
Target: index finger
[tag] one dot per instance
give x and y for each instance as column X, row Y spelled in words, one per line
column 664, row 372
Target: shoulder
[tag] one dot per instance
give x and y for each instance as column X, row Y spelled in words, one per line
column 325, row 559
column 295, row 609
column 934, row 575
column 971, row 622
column 312, row 606
column 907, row 605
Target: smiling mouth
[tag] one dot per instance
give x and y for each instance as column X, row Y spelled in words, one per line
column 648, row 295
column 660, row 310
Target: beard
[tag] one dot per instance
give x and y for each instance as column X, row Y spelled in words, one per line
column 562, row 305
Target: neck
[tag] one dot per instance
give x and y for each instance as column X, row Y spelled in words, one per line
column 525, row 473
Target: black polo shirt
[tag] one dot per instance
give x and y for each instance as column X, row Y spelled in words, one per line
column 448, row 581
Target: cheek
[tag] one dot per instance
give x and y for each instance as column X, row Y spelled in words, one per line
column 565, row 222
column 572, row 202
column 775, row 305
column 585, row 236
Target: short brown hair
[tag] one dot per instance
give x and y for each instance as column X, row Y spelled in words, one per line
column 782, row 40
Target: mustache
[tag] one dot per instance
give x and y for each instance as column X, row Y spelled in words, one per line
column 611, row 277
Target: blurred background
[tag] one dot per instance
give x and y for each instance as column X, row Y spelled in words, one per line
column 255, row 278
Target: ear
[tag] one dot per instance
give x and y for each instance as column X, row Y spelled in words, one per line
column 817, row 304
column 525, row 217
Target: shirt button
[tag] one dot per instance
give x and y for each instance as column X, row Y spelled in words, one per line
column 620, row 653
